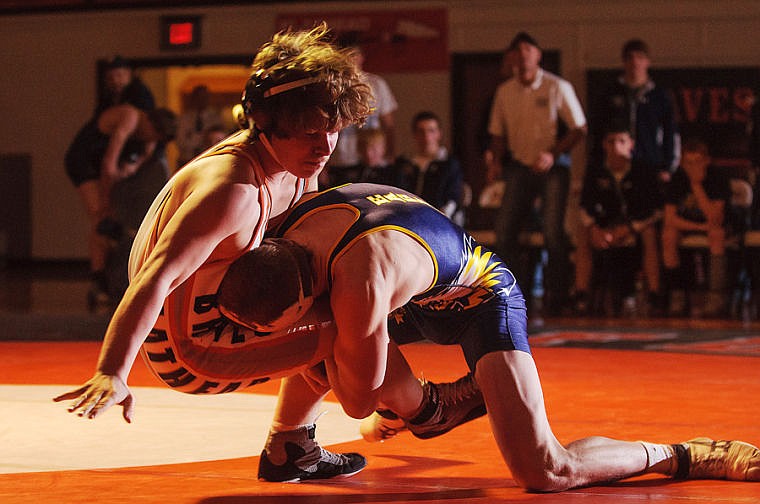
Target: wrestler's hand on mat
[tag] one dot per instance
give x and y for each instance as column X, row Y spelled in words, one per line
column 316, row 377
column 97, row 395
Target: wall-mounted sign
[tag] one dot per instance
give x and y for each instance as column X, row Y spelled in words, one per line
column 180, row 32
column 392, row 40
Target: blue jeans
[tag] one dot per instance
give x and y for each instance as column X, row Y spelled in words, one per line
column 522, row 187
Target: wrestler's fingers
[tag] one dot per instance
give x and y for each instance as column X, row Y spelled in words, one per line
column 80, row 401
column 72, row 394
column 100, row 406
column 87, row 403
column 129, row 407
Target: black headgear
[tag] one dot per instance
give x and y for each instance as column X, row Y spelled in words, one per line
column 266, row 83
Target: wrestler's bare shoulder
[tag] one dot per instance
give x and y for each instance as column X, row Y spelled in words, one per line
column 214, row 171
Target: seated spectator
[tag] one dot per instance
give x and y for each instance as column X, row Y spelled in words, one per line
column 430, row 172
column 620, row 204
column 384, row 106
column 373, row 165
column 695, row 202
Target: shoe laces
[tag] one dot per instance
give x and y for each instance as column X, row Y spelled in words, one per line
column 310, row 460
column 711, row 458
column 464, row 389
column 331, row 458
column 711, row 465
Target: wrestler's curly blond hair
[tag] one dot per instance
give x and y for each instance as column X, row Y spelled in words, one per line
column 333, row 97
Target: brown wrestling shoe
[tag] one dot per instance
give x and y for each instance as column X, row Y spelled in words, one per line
column 703, row 458
column 447, row 406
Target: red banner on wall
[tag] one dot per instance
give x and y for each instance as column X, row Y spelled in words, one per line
column 392, row 41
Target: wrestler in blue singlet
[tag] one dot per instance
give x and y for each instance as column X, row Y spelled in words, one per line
column 474, row 300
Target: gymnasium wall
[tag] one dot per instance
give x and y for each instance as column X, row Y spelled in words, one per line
column 49, row 66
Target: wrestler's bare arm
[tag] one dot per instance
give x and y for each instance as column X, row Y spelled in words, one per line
column 357, row 368
column 193, row 233
column 377, row 275
column 206, row 223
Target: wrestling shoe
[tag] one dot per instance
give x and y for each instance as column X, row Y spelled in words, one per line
column 703, row 458
column 447, row 405
column 304, row 459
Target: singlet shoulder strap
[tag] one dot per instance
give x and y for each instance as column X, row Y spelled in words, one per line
column 265, row 194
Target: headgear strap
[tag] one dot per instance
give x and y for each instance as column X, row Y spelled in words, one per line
column 275, row 90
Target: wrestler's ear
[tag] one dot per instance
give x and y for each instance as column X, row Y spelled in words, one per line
column 261, row 120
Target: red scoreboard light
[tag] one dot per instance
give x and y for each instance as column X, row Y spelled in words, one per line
column 180, row 32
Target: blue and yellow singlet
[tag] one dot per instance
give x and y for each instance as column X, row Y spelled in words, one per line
column 467, row 273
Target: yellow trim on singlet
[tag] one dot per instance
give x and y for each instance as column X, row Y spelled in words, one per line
column 357, row 214
column 317, row 210
column 392, row 227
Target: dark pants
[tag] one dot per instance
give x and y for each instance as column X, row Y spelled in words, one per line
column 614, row 275
column 522, row 187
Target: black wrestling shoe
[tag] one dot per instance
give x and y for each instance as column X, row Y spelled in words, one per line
column 305, row 459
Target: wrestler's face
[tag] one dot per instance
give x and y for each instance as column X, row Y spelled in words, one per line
column 304, row 154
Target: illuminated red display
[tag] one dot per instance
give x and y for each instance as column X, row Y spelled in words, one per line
column 181, row 33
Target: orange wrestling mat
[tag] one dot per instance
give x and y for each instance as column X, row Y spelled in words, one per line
column 203, row 450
